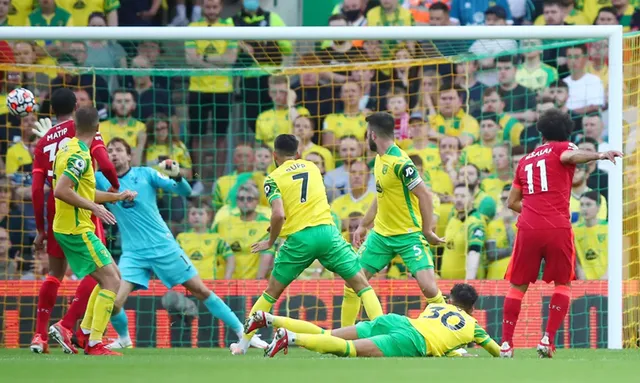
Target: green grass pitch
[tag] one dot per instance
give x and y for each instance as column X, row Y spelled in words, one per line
column 301, row 366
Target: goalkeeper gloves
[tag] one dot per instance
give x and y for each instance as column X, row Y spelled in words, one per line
column 171, row 169
column 42, row 127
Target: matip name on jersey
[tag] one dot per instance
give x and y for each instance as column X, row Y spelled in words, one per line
column 57, row 134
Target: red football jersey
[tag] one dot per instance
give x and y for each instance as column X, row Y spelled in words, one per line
column 47, row 146
column 546, row 187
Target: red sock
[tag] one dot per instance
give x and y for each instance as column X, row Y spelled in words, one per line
column 46, row 300
column 79, row 303
column 510, row 314
column 558, row 307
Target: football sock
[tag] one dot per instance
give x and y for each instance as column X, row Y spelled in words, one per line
column 219, row 309
column 558, row 307
column 101, row 314
column 297, row 326
column 46, row 300
column 324, row 344
column 370, row 302
column 511, row 312
column 350, row 307
column 437, row 299
column 264, row 303
column 79, row 303
column 87, row 321
column 120, row 323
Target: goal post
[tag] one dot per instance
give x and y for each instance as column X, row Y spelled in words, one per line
column 305, row 38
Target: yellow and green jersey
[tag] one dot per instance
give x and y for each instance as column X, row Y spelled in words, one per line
column 493, row 186
column 207, row 251
column 575, row 17
column 240, row 235
column 346, row 204
column 301, row 187
column 81, row 9
column 592, row 248
column 462, row 124
column 538, row 78
column 128, row 130
column 224, row 184
column 59, row 18
column 342, row 125
column 497, row 231
column 462, row 235
column 574, row 208
column 478, row 155
column 19, row 11
column 511, row 129
column 398, row 208
column 74, row 161
column 217, row 83
column 176, row 151
column 274, row 122
column 430, row 155
column 19, row 159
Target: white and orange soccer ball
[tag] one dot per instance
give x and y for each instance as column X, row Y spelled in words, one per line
column 21, row 102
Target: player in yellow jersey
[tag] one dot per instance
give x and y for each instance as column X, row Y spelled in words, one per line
column 403, row 213
column 74, row 185
column 443, row 329
column 300, row 213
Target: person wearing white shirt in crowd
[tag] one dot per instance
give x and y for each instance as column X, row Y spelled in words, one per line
column 586, row 92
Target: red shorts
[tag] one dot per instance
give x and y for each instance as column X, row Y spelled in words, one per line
column 53, row 249
column 555, row 246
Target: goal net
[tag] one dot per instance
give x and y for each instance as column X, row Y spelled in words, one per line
column 465, row 111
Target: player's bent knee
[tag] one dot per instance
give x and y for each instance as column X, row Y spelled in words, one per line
column 275, row 288
column 358, row 282
column 427, row 281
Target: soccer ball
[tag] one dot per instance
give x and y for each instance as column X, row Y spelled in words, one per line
column 21, row 102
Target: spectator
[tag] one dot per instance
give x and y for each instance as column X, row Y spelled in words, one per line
column 554, row 14
column 420, row 9
column 417, row 161
column 466, row 13
column 440, row 180
column 150, row 100
column 139, row 13
column 406, row 76
column 180, row 19
column 303, row 129
column 597, row 64
column 591, row 240
column 162, row 144
column 83, row 98
column 465, row 236
column 209, row 253
column 278, row 120
column 124, row 125
column 243, row 163
column 48, row 14
column 264, row 160
column 338, row 52
column 586, row 93
column 480, row 154
column 317, row 98
column 37, row 82
column 20, row 153
column 520, row 101
column 371, row 99
column 350, row 122
column 553, row 9
column 428, row 93
column 605, row 15
column 451, row 119
column 317, row 160
column 8, row 267
column 390, row 14
column 530, row 138
column 398, row 107
column 628, row 15
column 593, row 128
column 578, row 188
column 354, row 11
column 598, row 179
column 533, row 73
column 502, row 174
column 82, row 10
column 469, row 175
column 511, row 127
column 359, row 198
column 419, row 143
column 337, row 180
column 466, row 78
column 13, row 16
column 439, row 14
column 373, row 50
column 210, row 93
column 105, row 53
column 243, row 228
column 68, row 77
column 255, row 95
column 500, row 239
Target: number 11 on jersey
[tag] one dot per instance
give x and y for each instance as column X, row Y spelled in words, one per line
column 543, row 176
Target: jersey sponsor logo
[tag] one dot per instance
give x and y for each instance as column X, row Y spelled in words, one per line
column 196, row 256
column 409, row 172
column 235, row 247
column 591, row 254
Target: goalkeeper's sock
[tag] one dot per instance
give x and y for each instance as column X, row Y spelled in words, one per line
column 219, row 309
column 510, row 314
column 295, row 325
column 79, row 303
column 120, row 323
column 87, row 321
column 558, row 307
column 46, row 300
column 437, row 299
column 350, row 307
column 324, row 344
column 264, row 303
column 101, row 314
column 370, row 302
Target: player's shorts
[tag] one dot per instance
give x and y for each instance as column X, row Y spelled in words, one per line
column 172, row 267
column 84, row 252
column 394, row 335
column 555, row 246
column 53, row 248
column 377, row 251
column 322, row 242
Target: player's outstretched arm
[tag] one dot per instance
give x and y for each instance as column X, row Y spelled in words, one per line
column 65, row 192
column 175, row 183
column 366, row 223
column 107, row 197
column 483, row 339
column 577, row 156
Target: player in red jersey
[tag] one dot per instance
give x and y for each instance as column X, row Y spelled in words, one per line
column 63, row 103
column 540, row 194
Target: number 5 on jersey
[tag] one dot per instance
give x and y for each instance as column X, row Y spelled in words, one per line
column 542, row 166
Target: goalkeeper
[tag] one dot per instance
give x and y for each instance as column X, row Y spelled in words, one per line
column 441, row 330
column 148, row 247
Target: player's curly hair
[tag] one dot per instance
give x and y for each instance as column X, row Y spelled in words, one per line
column 464, row 296
column 555, row 125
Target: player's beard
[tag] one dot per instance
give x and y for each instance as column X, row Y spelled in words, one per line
column 372, row 145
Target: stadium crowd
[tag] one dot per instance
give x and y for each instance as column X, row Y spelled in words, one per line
column 466, row 125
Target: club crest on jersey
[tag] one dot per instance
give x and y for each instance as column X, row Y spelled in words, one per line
column 602, row 237
column 252, row 232
column 385, row 168
column 196, row 256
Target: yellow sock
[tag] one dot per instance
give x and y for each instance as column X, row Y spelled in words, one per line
column 326, row 344
column 437, row 299
column 88, row 314
column 101, row 314
column 298, row 326
column 264, row 303
column 350, row 307
column 370, row 302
